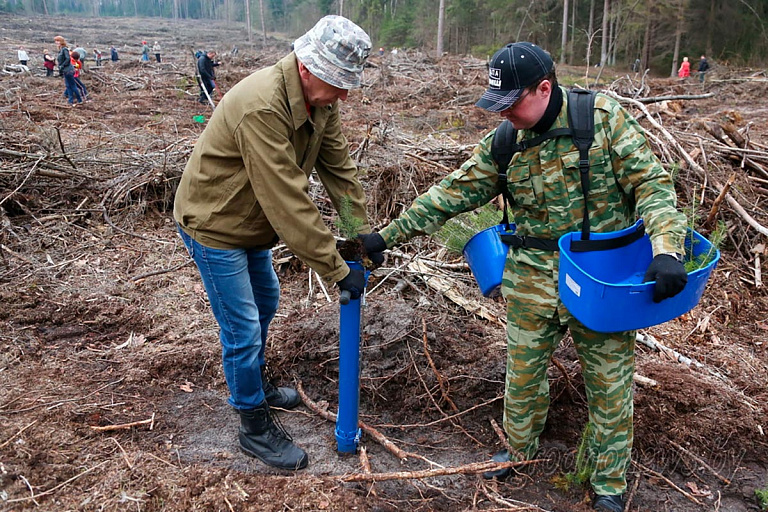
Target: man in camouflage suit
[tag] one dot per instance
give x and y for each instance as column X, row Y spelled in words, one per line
column 246, row 185
column 626, row 180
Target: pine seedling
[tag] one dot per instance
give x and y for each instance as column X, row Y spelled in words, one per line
column 693, row 263
column 584, row 464
column 347, row 224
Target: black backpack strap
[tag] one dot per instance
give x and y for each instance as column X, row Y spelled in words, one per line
column 581, row 119
column 606, row 244
column 504, row 145
column 503, row 148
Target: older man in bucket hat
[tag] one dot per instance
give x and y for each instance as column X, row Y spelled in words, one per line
column 543, row 180
column 246, row 186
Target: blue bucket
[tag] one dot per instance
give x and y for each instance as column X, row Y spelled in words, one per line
column 486, row 256
column 604, row 290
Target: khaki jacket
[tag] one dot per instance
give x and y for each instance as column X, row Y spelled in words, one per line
column 246, row 183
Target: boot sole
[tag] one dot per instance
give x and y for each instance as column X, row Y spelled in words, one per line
column 303, row 463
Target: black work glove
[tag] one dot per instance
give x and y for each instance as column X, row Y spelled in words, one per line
column 669, row 274
column 354, row 283
column 374, row 246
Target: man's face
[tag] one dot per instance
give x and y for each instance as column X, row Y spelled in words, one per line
column 317, row 92
column 530, row 107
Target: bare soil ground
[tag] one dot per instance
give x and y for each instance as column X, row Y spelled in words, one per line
column 103, row 321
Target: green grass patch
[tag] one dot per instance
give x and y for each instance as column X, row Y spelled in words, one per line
column 762, row 498
column 457, row 231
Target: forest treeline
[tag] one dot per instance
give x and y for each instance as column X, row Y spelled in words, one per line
column 612, row 32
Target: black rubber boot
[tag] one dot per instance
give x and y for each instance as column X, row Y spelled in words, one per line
column 267, row 440
column 500, row 474
column 609, row 503
column 285, row 398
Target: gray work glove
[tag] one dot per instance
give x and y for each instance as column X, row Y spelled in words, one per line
column 374, row 246
column 669, row 274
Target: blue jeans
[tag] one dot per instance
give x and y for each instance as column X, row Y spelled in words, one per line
column 71, row 91
column 244, row 292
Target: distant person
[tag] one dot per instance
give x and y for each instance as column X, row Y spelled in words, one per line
column 685, row 69
column 67, row 70
column 77, row 63
column 144, row 52
column 23, row 57
column 381, row 51
column 703, row 68
column 49, row 62
column 156, row 50
column 97, row 57
column 246, row 186
column 113, row 54
column 636, row 66
column 83, row 54
column 205, row 65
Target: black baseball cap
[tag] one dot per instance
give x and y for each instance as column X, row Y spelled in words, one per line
column 510, row 71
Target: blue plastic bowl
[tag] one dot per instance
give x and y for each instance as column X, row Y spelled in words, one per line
column 604, row 290
column 486, row 256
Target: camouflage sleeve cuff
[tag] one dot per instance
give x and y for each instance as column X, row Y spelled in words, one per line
column 666, row 244
column 392, row 236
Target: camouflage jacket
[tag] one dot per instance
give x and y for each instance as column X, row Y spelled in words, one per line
column 626, row 181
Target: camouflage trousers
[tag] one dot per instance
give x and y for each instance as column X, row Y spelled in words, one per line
column 608, row 364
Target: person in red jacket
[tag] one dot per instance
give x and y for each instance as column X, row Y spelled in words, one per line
column 685, row 69
column 49, row 62
column 77, row 63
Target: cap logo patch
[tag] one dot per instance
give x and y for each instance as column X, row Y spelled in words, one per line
column 494, row 78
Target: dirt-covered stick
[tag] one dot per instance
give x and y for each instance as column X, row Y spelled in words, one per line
column 474, row 467
column 440, row 380
column 701, row 461
column 375, row 434
column 716, row 203
column 503, row 438
column 125, row 426
column 667, row 480
column 365, row 463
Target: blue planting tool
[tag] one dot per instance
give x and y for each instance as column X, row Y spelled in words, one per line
column 350, row 328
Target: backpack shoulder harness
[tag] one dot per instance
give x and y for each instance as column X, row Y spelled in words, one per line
column 581, row 129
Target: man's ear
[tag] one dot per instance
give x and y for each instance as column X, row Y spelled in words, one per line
column 303, row 71
column 545, row 87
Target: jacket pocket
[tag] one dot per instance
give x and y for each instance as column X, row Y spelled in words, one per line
column 523, row 185
column 600, row 174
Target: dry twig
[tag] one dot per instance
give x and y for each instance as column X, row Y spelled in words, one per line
column 375, row 434
column 440, row 380
column 668, row 481
column 474, row 467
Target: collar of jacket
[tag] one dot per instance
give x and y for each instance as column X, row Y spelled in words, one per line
column 290, row 66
